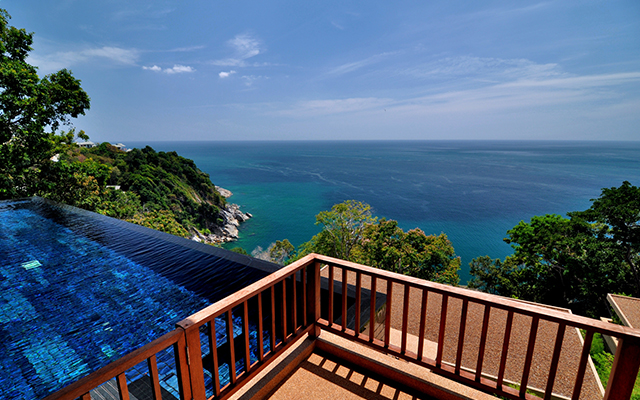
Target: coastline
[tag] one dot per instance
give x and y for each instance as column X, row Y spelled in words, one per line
column 231, row 216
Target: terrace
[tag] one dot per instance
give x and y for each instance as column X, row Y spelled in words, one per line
column 327, row 328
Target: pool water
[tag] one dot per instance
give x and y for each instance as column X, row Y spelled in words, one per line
column 79, row 290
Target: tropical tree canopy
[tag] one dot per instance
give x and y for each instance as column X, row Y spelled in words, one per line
column 571, row 262
column 32, row 109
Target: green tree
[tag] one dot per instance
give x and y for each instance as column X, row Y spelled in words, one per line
column 280, row 251
column 31, row 111
column 342, row 229
column 616, row 218
column 351, row 233
column 508, row 278
column 413, row 253
column 570, row 262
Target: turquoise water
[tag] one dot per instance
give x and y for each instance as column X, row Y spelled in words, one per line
column 474, row 191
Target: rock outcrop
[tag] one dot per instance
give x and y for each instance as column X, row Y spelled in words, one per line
column 227, row 231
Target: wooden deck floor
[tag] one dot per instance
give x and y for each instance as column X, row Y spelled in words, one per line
column 321, row 376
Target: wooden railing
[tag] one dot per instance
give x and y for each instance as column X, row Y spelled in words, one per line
column 357, row 302
column 116, row 370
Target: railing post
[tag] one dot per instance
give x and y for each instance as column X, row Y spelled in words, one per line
column 624, row 370
column 313, row 298
column 194, row 357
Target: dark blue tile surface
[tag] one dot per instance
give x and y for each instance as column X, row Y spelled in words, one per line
column 76, row 293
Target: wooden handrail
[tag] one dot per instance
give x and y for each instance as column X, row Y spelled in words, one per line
column 117, row 368
column 299, row 292
column 494, row 301
column 621, row 380
column 229, row 302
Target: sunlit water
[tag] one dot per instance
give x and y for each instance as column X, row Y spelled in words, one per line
column 474, row 191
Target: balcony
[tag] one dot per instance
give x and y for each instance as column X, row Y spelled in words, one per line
column 324, row 327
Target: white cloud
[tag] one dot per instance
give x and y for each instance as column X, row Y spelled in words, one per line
column 244, row 47
column 176, row 69
column 226, row 74
column 154, row 68
column 57, row 60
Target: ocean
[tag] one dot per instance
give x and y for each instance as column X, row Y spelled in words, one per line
column 473, row 191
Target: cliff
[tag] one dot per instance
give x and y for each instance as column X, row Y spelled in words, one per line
column 160, row 190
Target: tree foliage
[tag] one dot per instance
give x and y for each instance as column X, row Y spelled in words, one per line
column 280, row 251
column 31, row 111
column 351, row 233
column 153, row 183
column 413, row 253
column 342, row 228
column 571, row 262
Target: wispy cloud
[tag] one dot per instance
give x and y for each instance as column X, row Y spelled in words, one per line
column 353, row 66
column 548, row 92
column 244, row 47
column 224, row 74
column 334, row 106
column 176, row 69
column 249, row 80
column 483, row 68
column 67, row 59
column 184, row 49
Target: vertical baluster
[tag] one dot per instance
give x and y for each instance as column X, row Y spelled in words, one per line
column 245, row 333
column 405, row 319
column 443, row 324
column 260, row 329
column 294, row 303
column 330, row 314
column 273, row 317
column 372, row 310
column 86, row 396
column 584, row 358
column 304, row 296
column 284, row 310
column 554, row 361
column 344, row 299
column 387, row 320
column 152, row 364
column 529, row 358
column 461, row 332
column 213, row 350
column 483, row 341
column 505, row 348
column 123, row 390
column 232, row 347
column 356, row 328
column 423, row 323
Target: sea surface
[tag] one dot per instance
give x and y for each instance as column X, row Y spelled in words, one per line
column 473, row 191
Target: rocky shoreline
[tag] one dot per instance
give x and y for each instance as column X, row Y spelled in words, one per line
column 231, row 216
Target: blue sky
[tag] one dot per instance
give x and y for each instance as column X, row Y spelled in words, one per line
column 274, row 70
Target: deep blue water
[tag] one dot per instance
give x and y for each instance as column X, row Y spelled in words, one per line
column 474, row 191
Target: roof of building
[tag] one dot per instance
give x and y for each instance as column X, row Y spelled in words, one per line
column 627, row 308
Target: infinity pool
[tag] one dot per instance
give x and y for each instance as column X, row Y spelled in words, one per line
column 79, row 290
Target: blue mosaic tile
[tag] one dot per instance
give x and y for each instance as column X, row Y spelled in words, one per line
column 69, row 304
